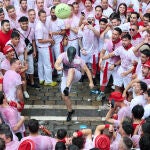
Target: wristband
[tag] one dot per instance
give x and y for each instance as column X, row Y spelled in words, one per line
column 140, row 9
column 79, row 134
column 107, row 126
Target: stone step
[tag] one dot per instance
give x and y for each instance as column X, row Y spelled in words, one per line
column 60, row 110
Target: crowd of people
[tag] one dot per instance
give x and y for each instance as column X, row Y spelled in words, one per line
column 106, row 37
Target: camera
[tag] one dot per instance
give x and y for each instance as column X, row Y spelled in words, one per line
column 112, row 103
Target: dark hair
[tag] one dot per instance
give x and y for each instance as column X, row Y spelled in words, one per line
column 146, row 128
column 94, row 149
column 144, row 142
column 1, row 118
column 23, row 19
column 73, row 147
column 41, row 12
column 143, row 86
column 1, row 10
column 22, row 0
column 127, row 127
column 60, row 146
column 117, row 18
column 2, row 144
column 4, row 21
column 1, row 97
column 146, row 52
column 78, row 141
column 15, row 34
column 13, row 60
column 118, row 30
column 138, row 111
column 124, row 4
column 61, row 134
column 33, row 125
column 114, row 15
column 136, row 13
column 99, row 6
column 103, row 20
column 53, row 8
column 128, row 142
column 147, row 15
column 10, row 7
column 5, row 129
column 127, row 36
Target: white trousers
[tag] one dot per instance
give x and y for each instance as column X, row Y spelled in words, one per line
column 44, row 65
column 30, row 65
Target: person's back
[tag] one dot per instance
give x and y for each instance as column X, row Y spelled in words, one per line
column 41, row 142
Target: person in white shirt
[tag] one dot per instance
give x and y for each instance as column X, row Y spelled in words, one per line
column 32, row 18
column 43, row 42
column 107, row 11
column 2, row 16
column 139, row 88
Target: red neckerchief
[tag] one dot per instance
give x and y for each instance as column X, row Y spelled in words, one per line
column 128, row 47
column 101, row 31
column 147, row 77
column 117, row 41
column 138, row 35
column 98, row 18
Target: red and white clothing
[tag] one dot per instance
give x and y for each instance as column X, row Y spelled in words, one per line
column 56, row 26
column 44, row 64
column 72, row 37
column 136, row 39
column 14, row 24
column 41, row 142
column 11, row 117
column 11, row 81
column 127, row 57
column 77, row 63
column 110, row 46
column 20, row 49
column 30, row 34
column 87, row 13
column 90, row 43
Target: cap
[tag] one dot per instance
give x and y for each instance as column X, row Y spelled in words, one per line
column 143, row 47
column 27, row 145
column 102, row 142
column 116, row 96
column 147, row 64
column 129, row 10
column 7, row 49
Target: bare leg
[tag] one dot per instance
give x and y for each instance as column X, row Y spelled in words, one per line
column 70, row 77
column 67, row 101
column 31, row 79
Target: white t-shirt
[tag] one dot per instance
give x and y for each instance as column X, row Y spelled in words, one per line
column 138, row 100
column 146, row 111
column 11, row 81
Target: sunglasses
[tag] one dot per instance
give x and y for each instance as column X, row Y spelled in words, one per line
column 132, row 29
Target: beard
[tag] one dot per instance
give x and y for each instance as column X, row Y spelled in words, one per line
column 54, row 17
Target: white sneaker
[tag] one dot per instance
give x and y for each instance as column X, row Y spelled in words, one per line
column 26, row 95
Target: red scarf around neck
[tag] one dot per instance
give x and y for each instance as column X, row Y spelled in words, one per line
column 128, row 47
column 117, row 41
column 138, row 35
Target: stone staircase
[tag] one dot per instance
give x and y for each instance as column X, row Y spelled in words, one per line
column 46, row 105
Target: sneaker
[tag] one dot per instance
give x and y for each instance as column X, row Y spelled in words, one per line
column 95, row 92
column 41, row 82
column 66, row 91
column 50, row 84
column 100, row 96
column 26, row 95
column 69, row 115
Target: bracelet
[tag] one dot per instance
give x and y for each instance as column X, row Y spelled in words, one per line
column 107, row 126
column 140, row 9
column 79, row 134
